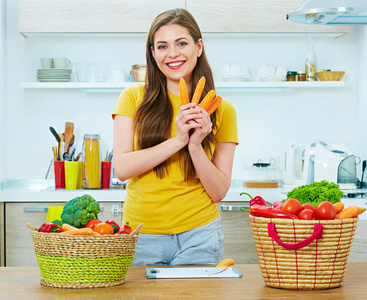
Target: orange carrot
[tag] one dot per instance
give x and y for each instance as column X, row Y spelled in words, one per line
column 183, row 92
column 95, row 233
column 207, row 99
column 214, row 105
column 350, row 212
column 199, row 90
column 339, row 206
column 81, row 231
column 67, row 227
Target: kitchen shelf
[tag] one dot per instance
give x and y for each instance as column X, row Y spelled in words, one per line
column 102, row 87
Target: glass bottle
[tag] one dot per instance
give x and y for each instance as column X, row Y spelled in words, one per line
column 310, row 66
column 92, row 162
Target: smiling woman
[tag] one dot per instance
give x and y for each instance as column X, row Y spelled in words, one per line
column 178, row 158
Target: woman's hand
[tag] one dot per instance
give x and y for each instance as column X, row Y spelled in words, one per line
column 188, row 117
column 206, row 126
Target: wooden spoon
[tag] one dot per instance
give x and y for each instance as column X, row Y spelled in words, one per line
column 68, row 135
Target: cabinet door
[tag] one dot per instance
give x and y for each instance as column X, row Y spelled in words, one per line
column 19, row 249
column 91, row 16
column 238, row 240
column 251, row 16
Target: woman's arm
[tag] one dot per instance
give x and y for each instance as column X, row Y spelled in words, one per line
column 215, row 175
column 129, row 163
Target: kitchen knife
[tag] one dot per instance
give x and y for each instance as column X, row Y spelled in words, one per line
column 222, row 266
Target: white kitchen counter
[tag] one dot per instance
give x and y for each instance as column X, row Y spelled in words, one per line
column 44, row 191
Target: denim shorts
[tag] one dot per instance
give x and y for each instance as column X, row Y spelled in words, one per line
column 198, row 246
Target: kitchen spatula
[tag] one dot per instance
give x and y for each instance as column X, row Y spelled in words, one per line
column 68, row 135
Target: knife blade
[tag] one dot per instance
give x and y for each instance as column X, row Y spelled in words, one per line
column 222, row 266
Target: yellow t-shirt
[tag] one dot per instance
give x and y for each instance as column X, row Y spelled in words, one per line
column 170, row 205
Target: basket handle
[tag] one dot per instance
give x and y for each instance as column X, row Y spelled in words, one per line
column 30, row 226
column 317, row 234
column 136, row 230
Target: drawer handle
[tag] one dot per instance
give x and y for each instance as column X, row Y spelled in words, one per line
column 33, row 209
column 42, row 208
column 233, row 207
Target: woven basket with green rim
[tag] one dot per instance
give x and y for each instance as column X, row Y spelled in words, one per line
column 82, row 261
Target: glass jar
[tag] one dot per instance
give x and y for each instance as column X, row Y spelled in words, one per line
column 92, row 161
column 291, row 76
column 138, row 73
column 301, row 76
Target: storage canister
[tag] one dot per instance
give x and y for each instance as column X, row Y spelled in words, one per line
column 92, row 161
column 291, row 75
column 301, row 76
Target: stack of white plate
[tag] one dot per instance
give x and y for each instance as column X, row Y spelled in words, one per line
column 54, row 75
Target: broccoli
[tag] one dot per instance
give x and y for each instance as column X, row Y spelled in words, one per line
column 78, row 211
column 58, row 222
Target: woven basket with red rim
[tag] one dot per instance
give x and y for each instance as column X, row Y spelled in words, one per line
column 303, row 254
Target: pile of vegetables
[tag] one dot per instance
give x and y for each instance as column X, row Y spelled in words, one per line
column 317, row 201
column 317, row 192
column 80, row 217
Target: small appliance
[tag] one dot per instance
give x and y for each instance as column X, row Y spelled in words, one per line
column 319, row 161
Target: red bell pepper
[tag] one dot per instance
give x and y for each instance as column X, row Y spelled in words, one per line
column 257, row 200
column 269, row 212
column 277, row 205
column 49, row 227
column 114, row 225
column 125, row 229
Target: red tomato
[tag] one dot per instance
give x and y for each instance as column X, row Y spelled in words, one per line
column 92, row 223
column 307, row 214
column 326, row 211
column 292, row 206
column 103, row 228
column 309, row 206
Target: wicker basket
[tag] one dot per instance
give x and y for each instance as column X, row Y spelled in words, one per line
column 330, row 75
column 302, row 254
column 82, row 261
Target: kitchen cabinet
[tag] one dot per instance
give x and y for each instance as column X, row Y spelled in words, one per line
column 238, row 240
column 90, row 16
column 119, row 16
column 252, row 16
column 18, row 240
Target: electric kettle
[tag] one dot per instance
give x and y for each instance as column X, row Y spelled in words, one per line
column 293, row 164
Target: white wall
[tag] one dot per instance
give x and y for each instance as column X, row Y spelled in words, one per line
column 269, row 120
column 361, row 61
column 3, row 90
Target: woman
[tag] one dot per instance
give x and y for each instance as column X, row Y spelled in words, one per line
column 178, row 159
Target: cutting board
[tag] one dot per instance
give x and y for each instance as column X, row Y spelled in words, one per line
column 156, row 273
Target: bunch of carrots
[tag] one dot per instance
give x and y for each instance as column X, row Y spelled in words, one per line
column 68, row 229
column 210, row 103
column 348, row 212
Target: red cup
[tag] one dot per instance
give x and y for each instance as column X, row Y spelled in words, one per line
column 59, row 168
column 106, row 174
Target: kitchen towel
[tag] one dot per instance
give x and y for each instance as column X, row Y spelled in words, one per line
column 54, row 213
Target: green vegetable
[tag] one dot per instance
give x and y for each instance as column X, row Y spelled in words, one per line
column 78, row 211
column 58, row 223
column 316, row 192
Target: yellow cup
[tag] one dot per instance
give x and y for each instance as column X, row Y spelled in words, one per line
column 72, row 175
column 80, row 175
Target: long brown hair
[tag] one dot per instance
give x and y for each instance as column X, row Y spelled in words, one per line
column 154, row 115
